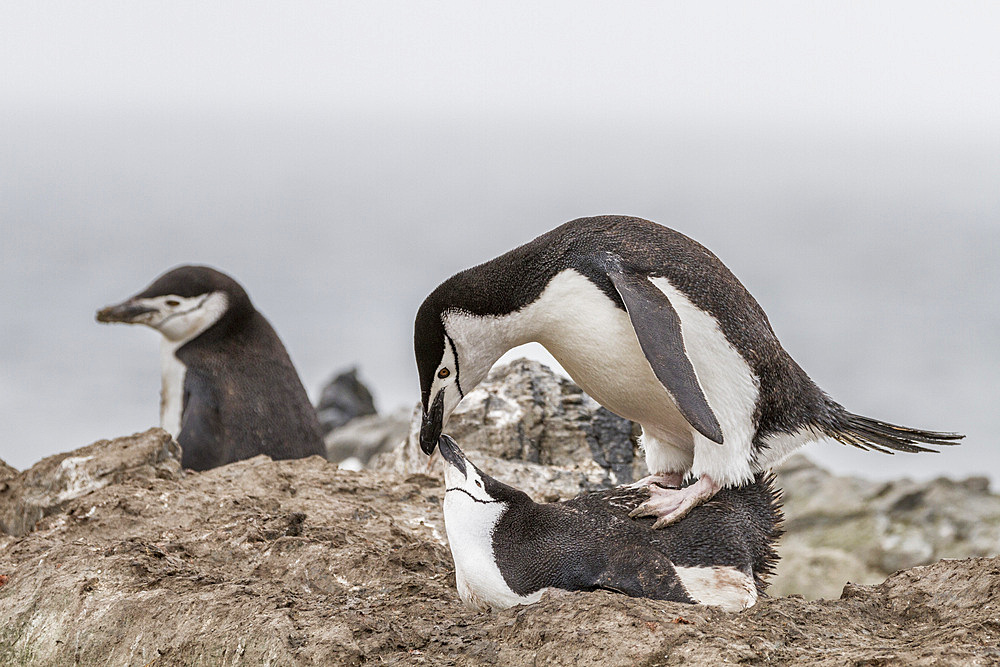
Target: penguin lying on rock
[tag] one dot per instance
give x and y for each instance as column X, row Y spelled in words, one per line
column 656, row 329
column 509, row 550
column 229, row 390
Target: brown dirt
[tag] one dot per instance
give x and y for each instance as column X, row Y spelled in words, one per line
column 295, row 562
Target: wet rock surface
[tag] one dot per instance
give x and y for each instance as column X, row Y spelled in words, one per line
column 297, row 562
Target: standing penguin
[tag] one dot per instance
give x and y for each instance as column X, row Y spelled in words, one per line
column 229, row 390
column 655, row 328
column 509, row 549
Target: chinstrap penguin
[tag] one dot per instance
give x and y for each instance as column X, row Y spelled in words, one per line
column 654, row 327
column 509, row 550
column 229, row 390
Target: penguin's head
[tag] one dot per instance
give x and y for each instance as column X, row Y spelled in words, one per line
column 182, row 303
column 455, row 351
column 469, row 487
column 459, row 474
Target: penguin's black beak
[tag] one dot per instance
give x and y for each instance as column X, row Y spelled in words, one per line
column 430, row 427
column 125, row 312
column 451, row 453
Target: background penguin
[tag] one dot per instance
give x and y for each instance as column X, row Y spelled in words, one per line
column 508, row 549
column 229, row 390
column 655, row 328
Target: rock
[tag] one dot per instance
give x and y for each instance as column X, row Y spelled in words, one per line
column 545, row 483
column 50, row 484
column 256, row 562
column 363, row 437
column 816, row 572
column 344, row 398
column 6, row 470
column 298, row 563
column 841, row 529
column 523, row 412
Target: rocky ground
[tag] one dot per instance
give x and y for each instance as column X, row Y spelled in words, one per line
column 846, row 529
column 539, row 432
column 112, row 555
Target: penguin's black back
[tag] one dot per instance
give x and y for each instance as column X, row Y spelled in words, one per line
column 590, row 542
column 243, row 397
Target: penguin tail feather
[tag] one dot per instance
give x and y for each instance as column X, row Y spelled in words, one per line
column 866, row 433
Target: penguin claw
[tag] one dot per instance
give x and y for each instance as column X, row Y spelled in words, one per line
column 678, row 514
column 660, row 504
column 665, row 479
column 671, row 505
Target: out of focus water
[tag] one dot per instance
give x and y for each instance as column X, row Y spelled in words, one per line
column 875, row 257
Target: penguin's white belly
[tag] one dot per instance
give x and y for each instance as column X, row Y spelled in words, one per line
column 599, row 350
column 480, row 583
column 719, row 586
column 172, row 373
column 594, row 341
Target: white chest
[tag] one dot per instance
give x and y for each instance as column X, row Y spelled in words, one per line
column 172, row 373
column 596, row 344
column 591, row 338
column 470, row 528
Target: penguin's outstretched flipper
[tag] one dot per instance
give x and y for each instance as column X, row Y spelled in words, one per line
column 658, row 328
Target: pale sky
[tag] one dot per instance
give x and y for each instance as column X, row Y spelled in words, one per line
column 890, row 65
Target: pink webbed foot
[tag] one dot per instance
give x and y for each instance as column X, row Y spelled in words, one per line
column 667, row 479
column 670, row 505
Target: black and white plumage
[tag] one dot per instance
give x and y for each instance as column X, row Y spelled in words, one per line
column 509, row 550
column 655, row 328
column 229, row 390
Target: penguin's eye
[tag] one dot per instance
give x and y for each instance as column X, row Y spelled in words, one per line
column 479, row 484
column 443, row 373
column 173, row 302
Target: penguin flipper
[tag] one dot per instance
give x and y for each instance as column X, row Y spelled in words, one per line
column 646, row 575
column 658, row 328
column 201, row 432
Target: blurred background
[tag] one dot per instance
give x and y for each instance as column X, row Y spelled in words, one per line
column 340, row 159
